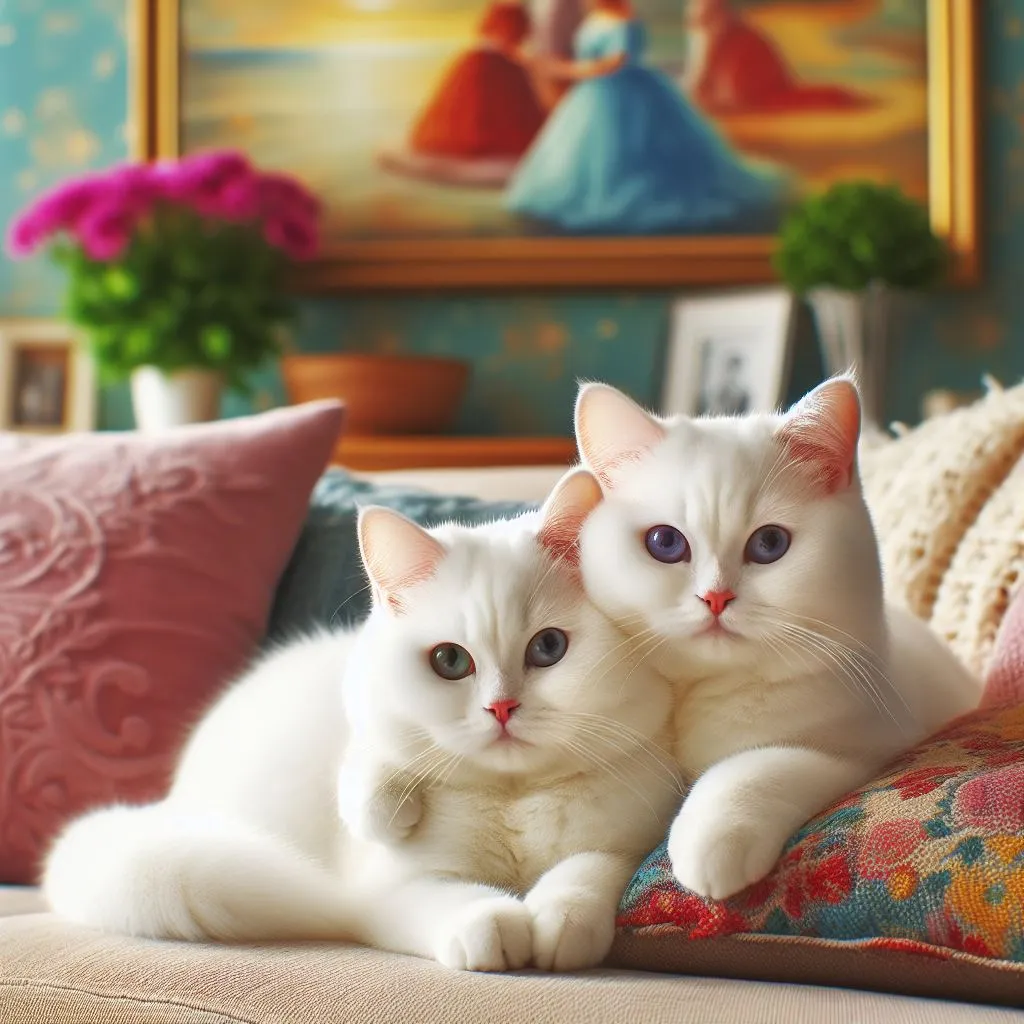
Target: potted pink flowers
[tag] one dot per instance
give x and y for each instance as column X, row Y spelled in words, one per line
column 177, row 273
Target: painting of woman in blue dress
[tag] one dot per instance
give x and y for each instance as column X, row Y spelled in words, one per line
column 625, row 154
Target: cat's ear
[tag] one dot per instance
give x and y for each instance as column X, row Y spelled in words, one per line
column 575, row 496
column 822, row 431
column 396, row 552
column 612, row 430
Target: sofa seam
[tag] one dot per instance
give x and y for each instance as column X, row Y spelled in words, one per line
column 29, row 983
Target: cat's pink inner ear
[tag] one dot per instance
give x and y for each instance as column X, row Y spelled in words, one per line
column 575, row 496
column 396, row 552
column 822, row 431
column 612, row 430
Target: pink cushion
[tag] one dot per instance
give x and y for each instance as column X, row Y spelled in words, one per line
column 1005, row 682
column 136, row 576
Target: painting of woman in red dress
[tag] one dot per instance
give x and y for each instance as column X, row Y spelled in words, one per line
column 485, row 112
column 736, row 69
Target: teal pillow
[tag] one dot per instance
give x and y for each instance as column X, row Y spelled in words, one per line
column 324, row 583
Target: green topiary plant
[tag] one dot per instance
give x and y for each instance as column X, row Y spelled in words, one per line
column 857, row 233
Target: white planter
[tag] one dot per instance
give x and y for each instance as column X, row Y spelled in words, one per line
column 855, row 330
column 161, row 400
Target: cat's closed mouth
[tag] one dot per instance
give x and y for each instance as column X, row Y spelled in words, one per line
column 716, row 628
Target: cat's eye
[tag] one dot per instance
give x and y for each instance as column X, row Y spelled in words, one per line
column 450, row 661
column 547, row 648
column 767, row 544
column 667, row 544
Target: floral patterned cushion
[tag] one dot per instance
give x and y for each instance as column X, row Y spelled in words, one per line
column 926, row 861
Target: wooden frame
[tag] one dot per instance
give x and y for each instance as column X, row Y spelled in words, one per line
column 761, row 321
column 78, row 406
column 629, row 262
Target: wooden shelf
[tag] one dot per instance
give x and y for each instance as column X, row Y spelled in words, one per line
column 452, row 452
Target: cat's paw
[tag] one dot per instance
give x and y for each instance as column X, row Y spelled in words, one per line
column 722, row 856
column 493, row 934
column 570, row 934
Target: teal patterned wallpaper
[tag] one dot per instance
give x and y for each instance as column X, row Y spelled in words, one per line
column 63, row 109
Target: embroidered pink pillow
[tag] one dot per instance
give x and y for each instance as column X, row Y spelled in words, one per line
column 136, row 576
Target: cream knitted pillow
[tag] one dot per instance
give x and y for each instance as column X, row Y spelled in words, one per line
column 927, row 489
column 984, row 574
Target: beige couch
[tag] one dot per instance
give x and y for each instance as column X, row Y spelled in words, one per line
column 51, row 971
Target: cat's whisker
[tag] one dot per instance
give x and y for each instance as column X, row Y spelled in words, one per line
column 438, row 763
column 603, row 764
column 456, row 761
column 832, row 628
column 799, row 642
column 657, row 764
column 870, row 664
column 362, row 590
column 649, row 651
column 603, row 721
column 634, row 642
column 844, row 660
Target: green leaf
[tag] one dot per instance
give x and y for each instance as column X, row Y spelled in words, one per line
column 216, row 342
column 119, row 283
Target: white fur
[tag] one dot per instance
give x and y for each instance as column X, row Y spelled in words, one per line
column 504, row 853
column 819, row 681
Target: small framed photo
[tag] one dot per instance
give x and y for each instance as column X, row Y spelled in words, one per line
column 47, row 380
column 729, row 354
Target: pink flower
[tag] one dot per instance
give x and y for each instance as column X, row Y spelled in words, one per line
column 240, row 200
column 295, row 236
column 992, row 803
column 106, row 231
column 202, row 181
column 135, row 186
column 282, row 196
column 888, row 845
column 65, row 205
column 24, row 236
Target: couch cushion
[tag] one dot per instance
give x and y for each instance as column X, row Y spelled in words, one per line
column 923, row 866
column 136, row 575
column 1005, row 682
column 324, row 582
column 53, row 971
column 984, row 573
column 929, row 492
column 20, row 899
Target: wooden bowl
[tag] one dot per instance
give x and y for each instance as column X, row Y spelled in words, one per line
column 383, row 394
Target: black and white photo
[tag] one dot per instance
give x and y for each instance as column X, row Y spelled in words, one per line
column 729, row 354
column 47, row 381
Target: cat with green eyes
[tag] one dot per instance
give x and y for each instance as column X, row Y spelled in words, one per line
column 472, row 775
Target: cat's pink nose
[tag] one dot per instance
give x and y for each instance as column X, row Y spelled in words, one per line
column 502, row 709
column 718, row 600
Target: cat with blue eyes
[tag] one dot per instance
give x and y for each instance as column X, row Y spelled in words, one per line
column 739, row 554
column 472, row 775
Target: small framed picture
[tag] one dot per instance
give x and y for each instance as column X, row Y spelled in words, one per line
column 47, row 380
column 729, row 354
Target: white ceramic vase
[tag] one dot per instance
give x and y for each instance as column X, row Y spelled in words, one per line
column 856, row 330
column 164, row 400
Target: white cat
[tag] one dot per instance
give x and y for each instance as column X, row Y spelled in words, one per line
column 490, row 720
column 740, row 554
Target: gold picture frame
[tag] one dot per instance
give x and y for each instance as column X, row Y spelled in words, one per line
column 47, row 378
column 953, row 145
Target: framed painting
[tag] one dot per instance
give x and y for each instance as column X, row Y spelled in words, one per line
column 47, row 380
column 464, row 143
